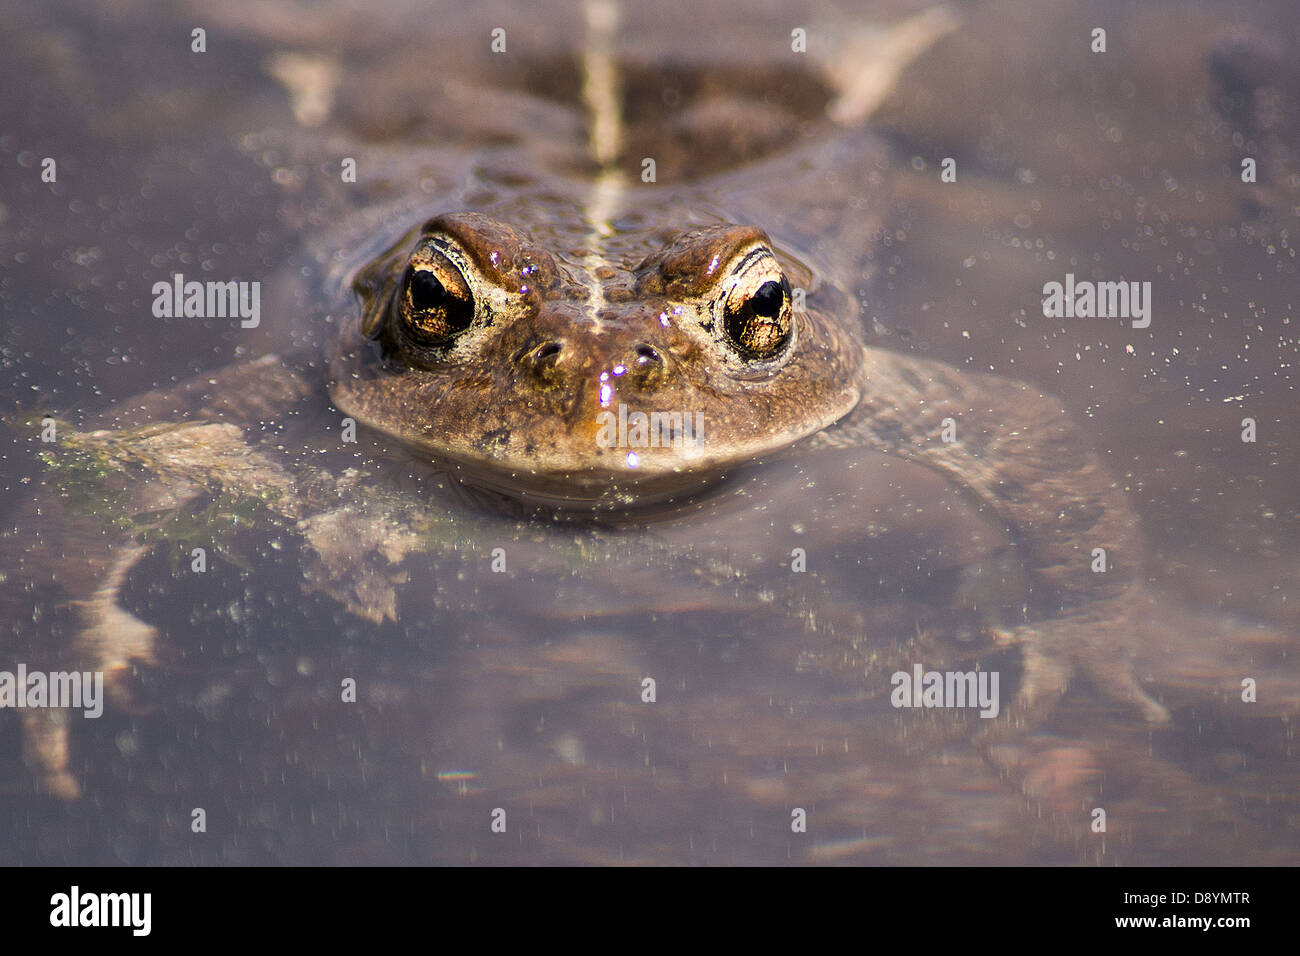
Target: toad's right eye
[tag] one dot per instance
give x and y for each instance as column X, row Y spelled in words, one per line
column 434, row 303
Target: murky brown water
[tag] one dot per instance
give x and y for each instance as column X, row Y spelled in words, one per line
column 525, row 693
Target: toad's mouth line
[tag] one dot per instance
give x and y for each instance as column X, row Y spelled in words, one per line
column 615, row 473
column 590, row 486
column 586, row 489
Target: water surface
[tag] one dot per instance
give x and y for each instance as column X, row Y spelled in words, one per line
column 523, row 691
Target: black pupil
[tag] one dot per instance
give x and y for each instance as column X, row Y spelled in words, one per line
column 426, row 291
column 767, row 300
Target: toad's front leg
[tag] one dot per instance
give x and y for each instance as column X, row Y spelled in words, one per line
column 74, row 546
column 1018, row 457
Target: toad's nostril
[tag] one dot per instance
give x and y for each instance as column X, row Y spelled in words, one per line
column 648, row 368
column 646, row 354
column 541, row 362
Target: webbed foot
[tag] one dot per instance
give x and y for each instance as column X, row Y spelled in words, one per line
column 46, row 751
column 1097, row 649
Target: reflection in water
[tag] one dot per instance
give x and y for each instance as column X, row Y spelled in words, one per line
column 529, row 689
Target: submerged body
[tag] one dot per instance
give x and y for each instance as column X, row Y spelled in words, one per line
column 490, row 342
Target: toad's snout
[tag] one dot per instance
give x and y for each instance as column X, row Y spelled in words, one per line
column 631, row 358
column 559, row 362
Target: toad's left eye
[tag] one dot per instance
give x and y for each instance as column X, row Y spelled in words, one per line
column 769, row 298
column 757, row 318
